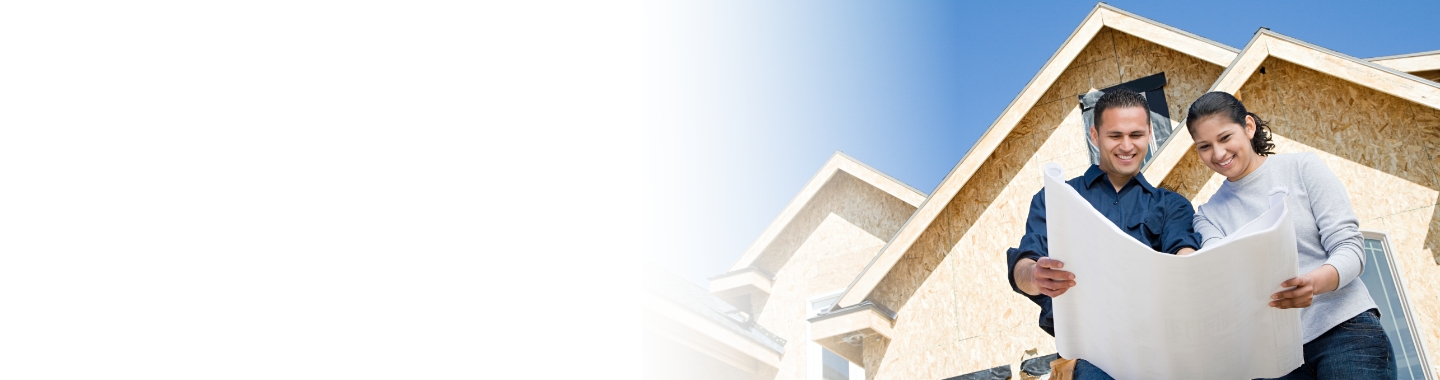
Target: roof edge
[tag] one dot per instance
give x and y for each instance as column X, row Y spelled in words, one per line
column 1232, row 49
column 862, row 164
column 1373, row 65
column 1406, row 55
column 838, row 162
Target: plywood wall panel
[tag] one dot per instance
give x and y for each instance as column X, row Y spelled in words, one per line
column 899, row 283
column 874, row 349
column 868, row 207
column 1101, row 47
column 1081, row 76
column 1330, row 114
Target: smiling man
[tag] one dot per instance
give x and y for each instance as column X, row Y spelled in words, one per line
column 1157, row 217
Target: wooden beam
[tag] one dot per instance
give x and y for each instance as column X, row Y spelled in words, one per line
column 1411, row 63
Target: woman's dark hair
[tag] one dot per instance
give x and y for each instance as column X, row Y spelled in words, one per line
column 1223, row 104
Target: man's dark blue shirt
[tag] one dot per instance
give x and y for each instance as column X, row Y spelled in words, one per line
column 1157, row 217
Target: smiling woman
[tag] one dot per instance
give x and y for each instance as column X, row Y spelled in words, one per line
column 1223, row 149
column 1341, row 329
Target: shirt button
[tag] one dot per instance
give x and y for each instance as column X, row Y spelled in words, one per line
column 1117, row 202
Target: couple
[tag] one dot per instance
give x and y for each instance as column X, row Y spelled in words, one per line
column 1340, row 325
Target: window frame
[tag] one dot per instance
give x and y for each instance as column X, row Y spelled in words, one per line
column 1401, row 293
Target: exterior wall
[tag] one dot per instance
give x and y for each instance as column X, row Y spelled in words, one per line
column 873, row 210
column 957, row 313
column 1384, row 149
column 840, row 227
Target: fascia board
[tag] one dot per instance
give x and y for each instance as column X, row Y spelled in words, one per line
column 1422, row 61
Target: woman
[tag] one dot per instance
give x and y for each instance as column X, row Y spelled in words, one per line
column 1340, row 325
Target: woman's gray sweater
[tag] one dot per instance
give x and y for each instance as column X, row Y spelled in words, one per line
column 1325, row 227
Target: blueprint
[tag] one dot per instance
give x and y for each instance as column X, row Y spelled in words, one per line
column 1141, row 314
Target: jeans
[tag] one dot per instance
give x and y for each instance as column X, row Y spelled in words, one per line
column 1086, row 371
column 1354, row 349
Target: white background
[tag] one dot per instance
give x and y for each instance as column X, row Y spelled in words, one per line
column 313, row 189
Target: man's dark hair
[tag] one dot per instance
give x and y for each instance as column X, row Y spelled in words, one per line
column 1222, row 104
column 1116, row 98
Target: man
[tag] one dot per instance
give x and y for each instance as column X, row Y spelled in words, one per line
column 1157, row 217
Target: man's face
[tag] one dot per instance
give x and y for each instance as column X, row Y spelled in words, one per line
column 1122, row 140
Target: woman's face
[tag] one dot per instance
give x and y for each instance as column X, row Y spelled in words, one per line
column 1224, row 146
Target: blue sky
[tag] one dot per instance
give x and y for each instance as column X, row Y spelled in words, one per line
column 747, row 99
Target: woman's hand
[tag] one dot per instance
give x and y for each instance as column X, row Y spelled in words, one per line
column 1301, row 296
column 1305, row 287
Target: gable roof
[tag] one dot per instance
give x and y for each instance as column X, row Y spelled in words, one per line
column 837, row 163
column 1102, row 16
column 1268, row 44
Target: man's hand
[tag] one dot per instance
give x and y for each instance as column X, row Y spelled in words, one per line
column 1185, row 251
column 1043, row 277
column 1305, row 287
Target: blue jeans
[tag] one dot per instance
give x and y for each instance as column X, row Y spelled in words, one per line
column 1354, row 349
column 1086, row 371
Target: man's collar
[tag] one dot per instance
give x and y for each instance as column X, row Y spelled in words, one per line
column 1094, row 174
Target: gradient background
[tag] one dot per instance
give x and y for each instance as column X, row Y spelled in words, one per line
column 308, row 189
column 747, row 99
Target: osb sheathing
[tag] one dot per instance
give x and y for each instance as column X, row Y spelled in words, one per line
column 957, row 313
column 835, row 247
column 1383, row 149
column 1189, row 177
column 866, row 206
column 874, row 350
